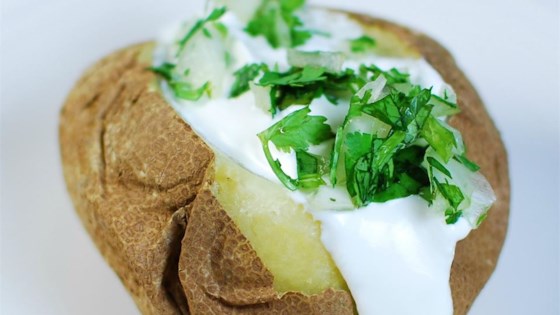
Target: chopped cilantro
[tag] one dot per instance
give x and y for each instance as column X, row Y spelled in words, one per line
column 297, row 132
column 182, row 90
column 393, row 76
column 443, row 107
column 296, row 77
column 391, row 144
column 404, row 186
column 355, row 146
column 437, row 165
column 452, row 215
column 302, row 85
column 439, row 137
column 222, row 29
column 387, row 109
column 383, row 164
column 335, row 155
column 454, row 196
column 297, row 86
column 165, row 70
column 243, row 77
column 473, row 167
column 187, row 92
column 277, row 22
column 401, row 111
column 228, row 58
column 308, row 170
column 481, row 219
column 372, row 168
column 215, row 15
column 362, row 44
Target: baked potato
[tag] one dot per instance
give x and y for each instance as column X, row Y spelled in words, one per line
column 183, row 226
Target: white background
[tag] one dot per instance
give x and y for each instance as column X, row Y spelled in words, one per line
column 49, row 265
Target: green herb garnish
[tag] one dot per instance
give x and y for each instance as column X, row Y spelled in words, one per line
column 308, row 170
column 277, row 22
column 393, row 75
column 215, row 15
column 181, row 89
column 165, row 70
column 437, row 165
column 297, row 132
column 454, row 196
column 377, row 166
column 300, row 86
column 473, row 167
column 244, row 76
column 186, row 91
column 392, row 143
column 439, row 137
column 362, row 44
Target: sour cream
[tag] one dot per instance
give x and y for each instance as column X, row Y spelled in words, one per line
column 395, row 256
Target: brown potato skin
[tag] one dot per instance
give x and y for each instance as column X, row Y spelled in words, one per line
column 140, row 180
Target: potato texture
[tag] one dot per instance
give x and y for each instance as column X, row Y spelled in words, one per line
column 284, row 235
column 158, row 203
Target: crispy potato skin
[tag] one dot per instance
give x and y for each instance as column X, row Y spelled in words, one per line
column 140, row 180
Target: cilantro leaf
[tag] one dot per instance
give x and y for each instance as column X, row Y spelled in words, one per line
column 335, row 155
column 401, row 111
column 276, row 21
column 437, row 165
column 370, row 169
column 481, row 219
column 165, row 70
column 297, row 86
column 443, row 107
column 387, row 109
column 243, row 76
column 473, row 167
column 302, row 85
column 389, row 147
column 296, row 77
column 403, row 187
column 452, row 193
column 308, row 170
column 356, row 145
column 187, row 92
column 282, row 98
column 222, row 29
column 181, row 89
column 454, row 196
column 362, row 44
column 439, row 138
column 418, row 104
column 393, row 76
column 215, row 15
column 297, row 132
column 452, row 215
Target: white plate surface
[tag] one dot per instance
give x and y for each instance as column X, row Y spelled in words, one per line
column 50, row 266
